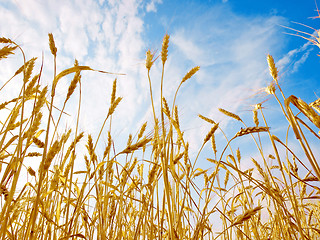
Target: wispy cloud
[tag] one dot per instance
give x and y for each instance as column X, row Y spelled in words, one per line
column 151, row 6
column 108, row 36
column 293, row 56
column 230, row 48
column 231, row 51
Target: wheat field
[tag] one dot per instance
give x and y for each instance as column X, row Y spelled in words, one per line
column 150, row 189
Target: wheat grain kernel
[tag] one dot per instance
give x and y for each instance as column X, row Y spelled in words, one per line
column 186, row 154
column 38, row 142
column 190, row 74
column 255, row 117
column 164, row 51
column 271, row 89
column 114, row 105
column 209, row 135
column 166, row 109
column 149, row 59
column 31, row 171
column 245, row 131
column 73, row 84
column 108, row 147
column 213, row 144
column 5, row 40
column 230, row 114
column 177, row 158
column 272, row 67
column 29, row 69
column 142, row 130
column 6, row 51
column 52, row 45
column 54, row 149
column 114, row 90
column 34, row 127
column 206, row 119
column 34, row 154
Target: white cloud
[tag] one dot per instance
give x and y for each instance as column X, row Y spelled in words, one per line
column 106, row 38
column 151, row 6
column 300, row 61
column 191, row 50
column 293, row 57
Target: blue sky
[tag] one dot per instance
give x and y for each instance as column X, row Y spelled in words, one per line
column 228, row 39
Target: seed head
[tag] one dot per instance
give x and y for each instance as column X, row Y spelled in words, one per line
column 190, row 73
column 209, row 135
column 272, row 67
column 52, row 45
column 164, row 51
column 149, row 59
column 271, row 89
